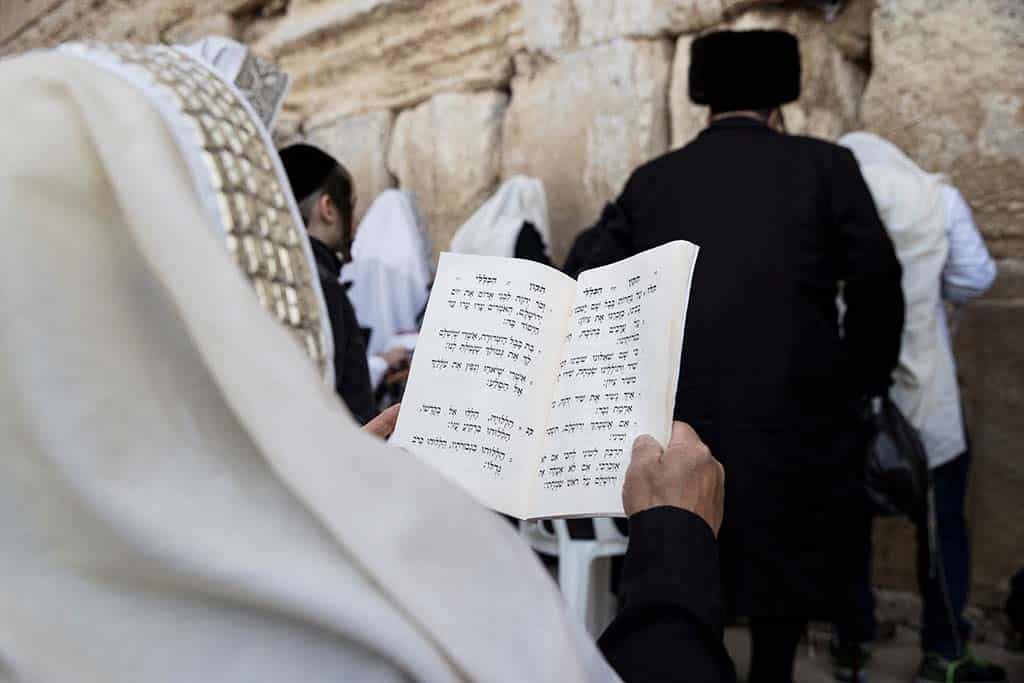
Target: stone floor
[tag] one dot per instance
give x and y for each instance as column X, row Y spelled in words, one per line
column 893, row 662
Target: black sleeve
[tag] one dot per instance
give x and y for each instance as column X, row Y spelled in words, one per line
column 671, row 622
column 607, row 241
column 868, row 266
column 580, row 250
column 351, row 373
column 530, row 245
column 333, row 301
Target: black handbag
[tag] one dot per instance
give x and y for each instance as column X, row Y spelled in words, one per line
column 896, row 474
column 898, row 481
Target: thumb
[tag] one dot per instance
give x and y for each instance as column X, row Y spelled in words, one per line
column 682, row 434
column 384, row 424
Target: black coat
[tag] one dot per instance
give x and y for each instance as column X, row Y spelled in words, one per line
column 767, row 379
column 351, row 372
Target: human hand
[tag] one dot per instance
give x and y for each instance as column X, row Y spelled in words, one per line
column 384, row 424
column 683, row 475
column 396, row 358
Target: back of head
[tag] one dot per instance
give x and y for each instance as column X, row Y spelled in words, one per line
column 311, row 172
column 744, row 70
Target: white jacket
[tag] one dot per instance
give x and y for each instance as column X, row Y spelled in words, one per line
column 944, row 259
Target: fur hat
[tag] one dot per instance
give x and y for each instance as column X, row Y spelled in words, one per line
column 307, row 168
column 731, row 70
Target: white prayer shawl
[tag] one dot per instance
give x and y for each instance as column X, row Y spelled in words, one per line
column 266, row 85
column 182, row 498
column 915, row 209
column 494, row 228
column 390, row 269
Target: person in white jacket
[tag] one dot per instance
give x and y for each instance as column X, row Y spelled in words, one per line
column 945, row 263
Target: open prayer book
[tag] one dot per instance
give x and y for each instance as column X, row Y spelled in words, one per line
column 527, row 387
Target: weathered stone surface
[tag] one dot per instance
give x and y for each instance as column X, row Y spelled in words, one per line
column 602, row 20
column 191, row 30
column 851, row 29
column 448, row 152
column 288, row 129
column 549, row 26
column 367, row 55
column 831, row 84
column 687, row 119
column 361, row 144
column 1009, row 285
column 558, row 26
column 116, row 20
column 583, row 123
column 947, row 87
column 17, row 15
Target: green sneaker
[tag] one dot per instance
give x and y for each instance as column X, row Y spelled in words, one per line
column 850, row 661
column 967, row 669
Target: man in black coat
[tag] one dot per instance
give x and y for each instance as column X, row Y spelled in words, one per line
column 326, row 198
column 770, row 378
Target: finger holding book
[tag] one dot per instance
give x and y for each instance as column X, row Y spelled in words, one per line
column 684, row 474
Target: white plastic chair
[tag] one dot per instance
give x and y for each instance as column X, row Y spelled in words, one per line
column 584, row 566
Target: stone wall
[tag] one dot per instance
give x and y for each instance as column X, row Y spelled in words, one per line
column 447, row 97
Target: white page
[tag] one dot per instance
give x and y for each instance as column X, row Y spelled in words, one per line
column 617, row 379
column 476, row 403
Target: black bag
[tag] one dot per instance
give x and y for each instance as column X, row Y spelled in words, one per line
column 896, row 473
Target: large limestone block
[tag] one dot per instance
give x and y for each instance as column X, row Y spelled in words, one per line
column 143, row 21
column 558, row 26
column 447, row 151
column 583, row 123
column 602, row 20
column 366, row 55
column 851, row 30
column 947, row 86
column 549, row 26
column 15, row 16
column 361, row 144
column 191, row 30
column 831, row 83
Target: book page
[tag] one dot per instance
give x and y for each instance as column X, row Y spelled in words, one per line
column 476, row 403
column 616, row 380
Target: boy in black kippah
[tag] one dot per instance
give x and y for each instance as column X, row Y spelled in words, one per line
column 326, row 197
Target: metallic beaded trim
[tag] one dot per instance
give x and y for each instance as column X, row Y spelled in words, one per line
column 258, row 228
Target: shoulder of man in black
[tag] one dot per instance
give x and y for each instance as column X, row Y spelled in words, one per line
column 610, row 238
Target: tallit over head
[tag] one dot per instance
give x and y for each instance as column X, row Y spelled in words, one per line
column 494, row 228
column 262, row 84
column 390, row 272
column 914, row 210
column 182, row 497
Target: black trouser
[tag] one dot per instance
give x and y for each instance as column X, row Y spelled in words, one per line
column 773, row 649
column 943, row 589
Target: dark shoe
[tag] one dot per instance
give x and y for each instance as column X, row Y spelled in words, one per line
column 967, row 669
column 850, row 661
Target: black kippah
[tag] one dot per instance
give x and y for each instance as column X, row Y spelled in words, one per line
column 307, row 168
column 732, row 70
